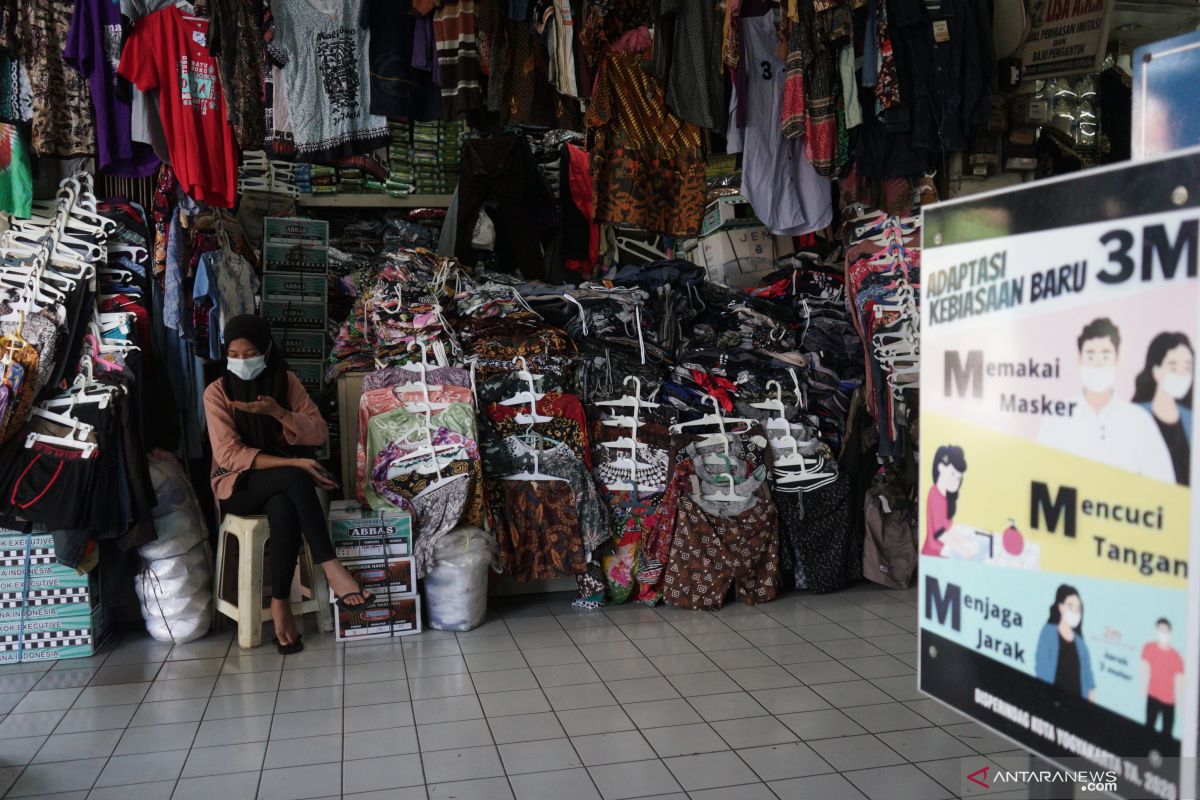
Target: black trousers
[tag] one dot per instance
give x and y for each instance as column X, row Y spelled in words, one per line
column 501, row 170
column 286, row 495
column 1156, row 707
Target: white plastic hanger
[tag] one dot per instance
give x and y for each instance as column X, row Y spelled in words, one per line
column 530, row 395
column 715, row 418
column 535, row 475
column 727, row 496
column 441, row 479
column 775, row 404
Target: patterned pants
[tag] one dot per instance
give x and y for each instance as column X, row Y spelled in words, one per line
column 711, row 553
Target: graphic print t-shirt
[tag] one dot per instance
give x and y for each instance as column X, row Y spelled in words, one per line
column 168, row 51
column 327, row 77
column 94, row 48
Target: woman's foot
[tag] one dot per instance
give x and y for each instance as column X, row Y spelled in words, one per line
column 342, row 583
column 286, row 630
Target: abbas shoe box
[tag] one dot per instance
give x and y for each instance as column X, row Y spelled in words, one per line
column 362, row 533
column 47, row 611
column 383, row 618
column 376, row 546
column 383, row 576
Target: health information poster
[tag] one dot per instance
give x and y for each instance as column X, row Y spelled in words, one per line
column 1058, row 595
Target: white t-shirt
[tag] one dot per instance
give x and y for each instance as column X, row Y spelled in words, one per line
column 1121, row 435
column 327, row 78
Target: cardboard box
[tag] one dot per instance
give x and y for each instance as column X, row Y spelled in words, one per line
column 399, row 617
column 301, row 343
column 293, row 286
column 733, row 211
column 63, row 645
column 384, row 576
column 362, row 533
column 49, row 575
column 80, row 615
column 740, row 257
column 295, row 313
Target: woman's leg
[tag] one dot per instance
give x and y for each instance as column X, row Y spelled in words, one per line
column 316, row 535
column 267, row 492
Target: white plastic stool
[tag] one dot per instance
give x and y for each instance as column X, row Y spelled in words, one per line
column 247, row 607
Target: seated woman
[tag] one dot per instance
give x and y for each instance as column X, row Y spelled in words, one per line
column 259, row 415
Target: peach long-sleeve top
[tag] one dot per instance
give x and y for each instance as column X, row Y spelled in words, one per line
column 231, row 456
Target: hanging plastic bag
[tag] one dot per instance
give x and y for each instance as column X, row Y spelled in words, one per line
column 175, row 583
column 456, row 589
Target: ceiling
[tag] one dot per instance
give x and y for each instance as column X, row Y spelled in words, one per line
column 1139, row 22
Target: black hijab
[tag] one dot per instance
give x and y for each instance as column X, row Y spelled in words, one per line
column 258, row 430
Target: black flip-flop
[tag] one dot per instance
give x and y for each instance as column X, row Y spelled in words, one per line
column 289, row 649
column 341, row 603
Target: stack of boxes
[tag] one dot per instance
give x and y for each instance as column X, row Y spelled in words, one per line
column 295, row 289
column 424, row 157
column 47, row 611
column 400, row 168
column 376, row 547
column 436, row 156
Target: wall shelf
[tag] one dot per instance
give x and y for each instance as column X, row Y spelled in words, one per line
column 374, row 201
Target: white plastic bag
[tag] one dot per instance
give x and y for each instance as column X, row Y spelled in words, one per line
column 175, row 583
column 456, row 589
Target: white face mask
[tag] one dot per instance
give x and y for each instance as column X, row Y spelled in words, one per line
column 1164, row 639
column 1098, row 379
column 1176, row 385
column 247, row 368
column 1072, row 618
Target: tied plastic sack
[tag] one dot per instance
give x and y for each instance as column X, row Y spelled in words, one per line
column 175, row 583
column 456, row 589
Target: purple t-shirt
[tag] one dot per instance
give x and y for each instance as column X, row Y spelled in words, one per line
column 94, row 48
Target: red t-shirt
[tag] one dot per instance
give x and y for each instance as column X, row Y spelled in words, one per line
column 937, row 516
column 1164, row 666
column 168, row 51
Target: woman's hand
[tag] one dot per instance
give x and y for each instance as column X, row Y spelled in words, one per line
column 263, row 405
column 316, row 472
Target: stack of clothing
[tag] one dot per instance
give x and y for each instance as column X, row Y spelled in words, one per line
column 435, row 156
column 396, row 312
column 833, row 352
column 400, row 167
column 322, row 180
column 418, row 450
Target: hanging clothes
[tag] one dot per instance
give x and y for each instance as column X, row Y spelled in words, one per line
column 191, row 101
column 695, row 78
column 329, row 106
column 647, row 164
column 458, row 58
column 781, row 184
column 398, row 89
column 63, row 122
column 94, row 49
column 236, row 41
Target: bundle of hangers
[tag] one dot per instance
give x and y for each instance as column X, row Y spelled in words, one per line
column 258, row 173
column 883, row 279
column 71, row 355
column 418, row 449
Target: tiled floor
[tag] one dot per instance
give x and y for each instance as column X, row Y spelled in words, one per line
column 806, row 697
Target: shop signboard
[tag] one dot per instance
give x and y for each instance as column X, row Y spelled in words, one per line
column 1059, row 600
column 1067, row 37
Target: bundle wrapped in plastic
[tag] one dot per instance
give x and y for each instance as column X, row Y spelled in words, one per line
column 175, row 583
column 456, row 589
